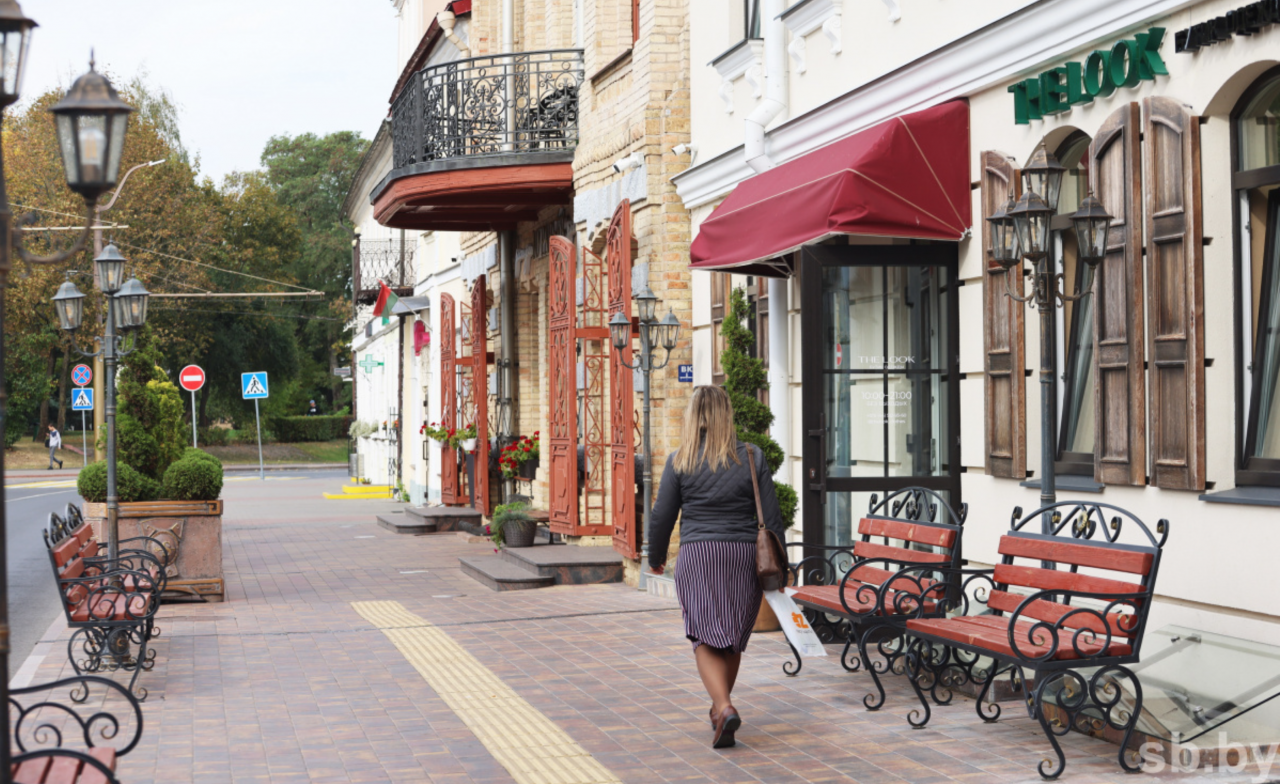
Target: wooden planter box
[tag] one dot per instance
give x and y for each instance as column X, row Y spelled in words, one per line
column 192, row 528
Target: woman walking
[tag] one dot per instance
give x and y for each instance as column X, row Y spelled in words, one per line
column 707, row 483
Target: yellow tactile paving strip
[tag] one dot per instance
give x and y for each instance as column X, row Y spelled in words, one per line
column 528, row 744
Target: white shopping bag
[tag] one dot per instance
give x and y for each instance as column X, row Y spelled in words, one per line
column 794, row 625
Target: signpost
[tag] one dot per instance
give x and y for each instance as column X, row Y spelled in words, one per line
column 81, row 376
column 253, row 386
column 82, row 401
column 192, row 379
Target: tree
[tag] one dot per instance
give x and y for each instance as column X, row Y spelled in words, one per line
column 149, row 431
column 744, row 377
column 312, row 175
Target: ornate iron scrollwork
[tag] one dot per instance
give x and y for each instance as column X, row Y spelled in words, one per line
column 488, row 106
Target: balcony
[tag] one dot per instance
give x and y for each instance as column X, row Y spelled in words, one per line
column 386, row 260
column 482, row 143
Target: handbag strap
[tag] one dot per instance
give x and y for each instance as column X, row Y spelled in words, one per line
column 755, row 486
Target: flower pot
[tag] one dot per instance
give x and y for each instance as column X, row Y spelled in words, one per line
column 519, row 533
column 528, row 469
column 468, row 445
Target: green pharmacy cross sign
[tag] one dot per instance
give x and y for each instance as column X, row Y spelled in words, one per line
column 1058, row 89
column 368, row 364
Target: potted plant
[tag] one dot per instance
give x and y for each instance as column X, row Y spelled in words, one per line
column 512, row 526
column 466, row 438
column 521, row 458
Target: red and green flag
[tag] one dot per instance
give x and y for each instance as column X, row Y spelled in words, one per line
column 386, row 301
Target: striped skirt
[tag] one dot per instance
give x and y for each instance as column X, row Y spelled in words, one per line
column 719, row 593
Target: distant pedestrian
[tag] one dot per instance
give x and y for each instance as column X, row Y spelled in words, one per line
column 313, row 411
column 707, row 483
column 53, row 440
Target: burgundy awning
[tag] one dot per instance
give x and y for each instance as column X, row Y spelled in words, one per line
column 906, row 177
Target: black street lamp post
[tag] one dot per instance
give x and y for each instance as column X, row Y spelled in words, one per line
column 126, row 311
column 1020, row 230
column 652, row 333
column 90, row 123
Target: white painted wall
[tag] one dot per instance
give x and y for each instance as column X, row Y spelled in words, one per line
column 1210, row 579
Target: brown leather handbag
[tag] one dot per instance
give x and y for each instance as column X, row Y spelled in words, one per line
column 771, row 557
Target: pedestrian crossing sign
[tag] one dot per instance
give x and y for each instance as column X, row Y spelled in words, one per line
column 253, row 386
column 82, row 399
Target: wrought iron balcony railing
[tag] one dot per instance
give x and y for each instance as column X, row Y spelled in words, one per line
column 381, row 260
column 489, row 107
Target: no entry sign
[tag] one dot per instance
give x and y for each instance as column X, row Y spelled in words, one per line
column 191, row 378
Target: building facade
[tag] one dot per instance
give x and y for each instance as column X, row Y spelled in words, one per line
column 850, row 194
column 531, row 173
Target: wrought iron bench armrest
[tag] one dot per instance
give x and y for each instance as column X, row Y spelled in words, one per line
column 1049, row 633
column 31, row 724
column 957, row 601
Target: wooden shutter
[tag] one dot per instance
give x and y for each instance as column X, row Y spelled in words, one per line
column 1175, row 269
column 1120, row 391
column 1003, row 338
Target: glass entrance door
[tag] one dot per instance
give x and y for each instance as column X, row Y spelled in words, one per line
column 880, row 392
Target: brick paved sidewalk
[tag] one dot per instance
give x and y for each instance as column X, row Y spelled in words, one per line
column 305, row 675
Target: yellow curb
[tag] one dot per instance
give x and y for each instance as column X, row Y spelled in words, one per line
column 346, row 497
column 356, row 489
column 533, row 749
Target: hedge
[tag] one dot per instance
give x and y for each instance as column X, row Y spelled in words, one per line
column 191, row 453
column 292, row 429
column 131, row 485
column 193, row 479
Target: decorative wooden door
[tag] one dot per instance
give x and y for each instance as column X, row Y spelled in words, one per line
column 595, row 516
column 480, row 388
column 562, row 445
column 450, row 493
column 622, row 468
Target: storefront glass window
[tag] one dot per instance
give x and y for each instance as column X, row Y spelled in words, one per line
column 884, row 364
column 1259, row 143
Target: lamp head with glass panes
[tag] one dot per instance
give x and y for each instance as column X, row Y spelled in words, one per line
column 129, row 305
column 1031, row 218
column 1091, row 223
column 1043, row 175
column 620, row 330
column 669, row 330
column 110, row 266
column 69, row 305
column 647, row 305
column 1004, row 239
column 15, row 36
column 91, row 121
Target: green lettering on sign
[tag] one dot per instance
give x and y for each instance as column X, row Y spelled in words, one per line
column 1126, row 64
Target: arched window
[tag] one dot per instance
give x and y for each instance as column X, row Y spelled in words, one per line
column 1256, row 183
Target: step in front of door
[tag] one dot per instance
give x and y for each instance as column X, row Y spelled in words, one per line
column 498, row 574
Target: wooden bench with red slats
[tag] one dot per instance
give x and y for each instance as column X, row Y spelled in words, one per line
column 1057, row 603
column 40, row 720
column 110, row 604
column 862, row 588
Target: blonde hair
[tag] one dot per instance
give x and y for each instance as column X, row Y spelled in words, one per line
column 707, row 436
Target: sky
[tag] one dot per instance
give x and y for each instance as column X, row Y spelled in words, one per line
column 241, row 71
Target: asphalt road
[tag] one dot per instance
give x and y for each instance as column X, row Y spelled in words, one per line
column 33, row 598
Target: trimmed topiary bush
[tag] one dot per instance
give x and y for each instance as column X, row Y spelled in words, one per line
column 130, row 484
column 191, row 453
column 193, row 479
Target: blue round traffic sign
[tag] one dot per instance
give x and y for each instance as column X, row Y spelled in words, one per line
column 81, row 375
